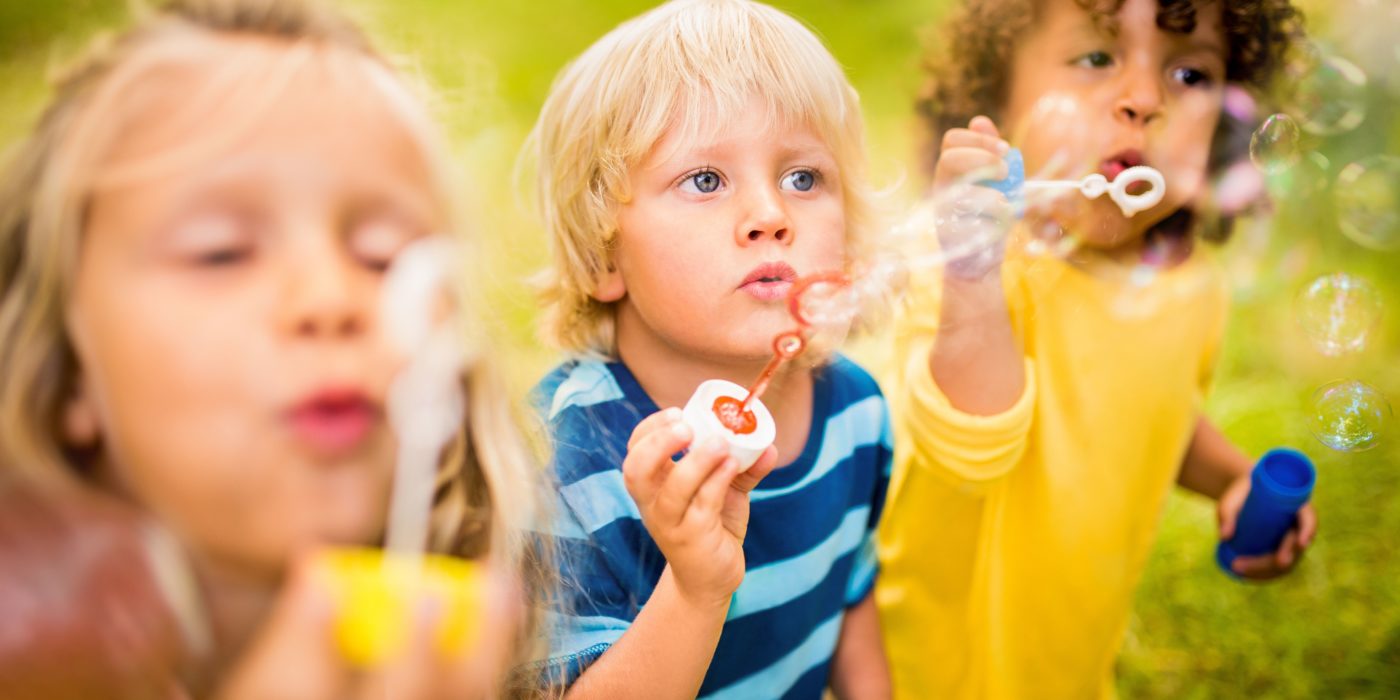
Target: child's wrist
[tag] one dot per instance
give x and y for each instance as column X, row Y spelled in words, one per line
column 705, row 600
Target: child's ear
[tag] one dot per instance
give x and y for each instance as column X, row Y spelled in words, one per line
column 609, row 286
column 80, row 425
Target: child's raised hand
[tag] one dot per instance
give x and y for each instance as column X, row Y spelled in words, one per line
column 697, row 508
column 972, row 220
column 971, row 154
column 1264, row 566
column 295, row 656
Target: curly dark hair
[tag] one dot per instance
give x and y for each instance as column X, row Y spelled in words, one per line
column 969, row 74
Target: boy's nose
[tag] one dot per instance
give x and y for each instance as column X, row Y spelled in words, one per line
column 766, row 218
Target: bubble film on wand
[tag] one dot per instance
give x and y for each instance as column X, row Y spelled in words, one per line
column 426, row 409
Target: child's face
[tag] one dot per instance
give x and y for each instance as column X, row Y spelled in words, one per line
column 224, row 314
column 717, row 229
column 1083, row 100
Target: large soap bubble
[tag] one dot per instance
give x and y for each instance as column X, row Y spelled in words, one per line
column 1349, row 416
column 1368, row 202
column 1338, row 312
column 1330, row 95
column 1274, row 146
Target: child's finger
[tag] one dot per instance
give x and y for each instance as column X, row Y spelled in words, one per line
column 767, row 461
column 679, row 489
column 709, row 500
column 1227, row 509
column 978, row 140
column 1287, row 551
column 646, row 464
column 1307, row 526
column 294, row 655
column 983, row 124
column 410, row 674
column 1260, row 567
column 652, row 423
column 966, row 165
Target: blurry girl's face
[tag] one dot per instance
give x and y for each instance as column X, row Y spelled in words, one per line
column 225, row 307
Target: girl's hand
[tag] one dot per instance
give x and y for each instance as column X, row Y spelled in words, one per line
column 1264, row 566
column 295, row 656
column 972, row 220
column 697, row 509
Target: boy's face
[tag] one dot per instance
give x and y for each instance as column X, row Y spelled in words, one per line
column 717, row 229
column 1084, row 99
column 225, row 320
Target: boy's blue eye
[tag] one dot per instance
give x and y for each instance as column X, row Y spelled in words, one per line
column 1190, row 77
column 703, row 182
column 1095, row 59
column 800, row 180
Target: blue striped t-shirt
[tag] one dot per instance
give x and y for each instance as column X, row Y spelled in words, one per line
column 809, row 550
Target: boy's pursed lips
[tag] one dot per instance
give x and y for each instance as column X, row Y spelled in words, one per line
column 769, row 281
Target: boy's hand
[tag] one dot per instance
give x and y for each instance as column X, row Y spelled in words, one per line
column 697, row 509
column 972, row 220
column 1264, row 566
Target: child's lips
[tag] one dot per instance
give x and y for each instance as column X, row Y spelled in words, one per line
column 334, row 422
column 769, row 281
column 767, row 290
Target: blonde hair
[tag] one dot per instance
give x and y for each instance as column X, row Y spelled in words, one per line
column 489, row 494
column 670, row 68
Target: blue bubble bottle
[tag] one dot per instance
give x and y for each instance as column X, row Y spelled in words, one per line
column 1279, row 485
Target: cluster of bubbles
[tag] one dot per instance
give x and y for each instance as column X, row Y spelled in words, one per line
column 1339, row 313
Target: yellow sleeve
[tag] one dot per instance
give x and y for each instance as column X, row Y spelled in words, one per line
column 963, row 447
column 966, row 449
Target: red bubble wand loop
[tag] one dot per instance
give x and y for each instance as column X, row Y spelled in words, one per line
column 734, row 414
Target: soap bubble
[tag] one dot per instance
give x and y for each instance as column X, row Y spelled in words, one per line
column 1338, row 313
column 1330, row 96
column 1274, row 146
column 1368, row 202
column 1301, row 184
column 963, row 226
column 825, row 300
column 1348, row 416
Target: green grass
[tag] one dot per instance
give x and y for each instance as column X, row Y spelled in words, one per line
column 1330, row 630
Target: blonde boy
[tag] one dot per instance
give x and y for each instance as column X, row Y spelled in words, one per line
column 693, row 163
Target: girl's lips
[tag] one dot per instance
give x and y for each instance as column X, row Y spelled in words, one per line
column 769, row 281
column 333, row 422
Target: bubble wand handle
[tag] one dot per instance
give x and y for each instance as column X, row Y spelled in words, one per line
column 1092, row 186
column 1281, row 482
column 785, row 347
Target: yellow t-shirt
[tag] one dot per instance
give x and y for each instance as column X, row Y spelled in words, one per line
column 1012, row 543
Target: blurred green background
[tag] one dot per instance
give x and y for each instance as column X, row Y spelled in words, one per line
column 1330, row 630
